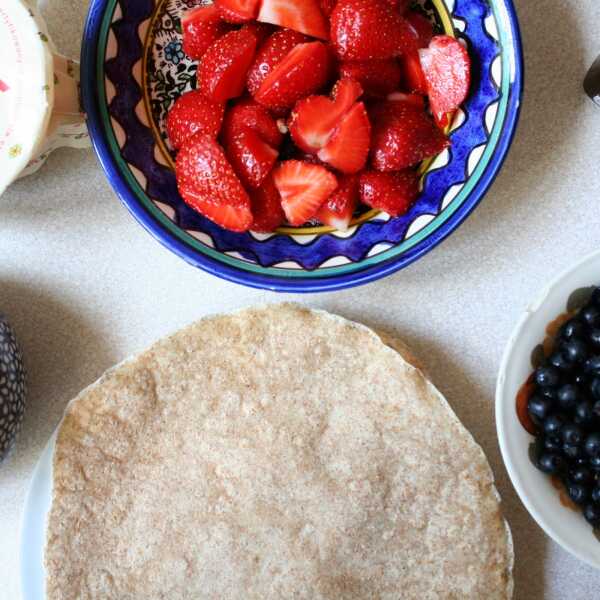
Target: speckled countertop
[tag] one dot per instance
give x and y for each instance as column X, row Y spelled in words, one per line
column 85, row 286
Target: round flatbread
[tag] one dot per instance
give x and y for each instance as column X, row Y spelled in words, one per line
column 273, row 453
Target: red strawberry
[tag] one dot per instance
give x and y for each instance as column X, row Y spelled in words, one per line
column 266, row 207
column 447, row 69
column 415, row 99
column 348, row 148
column 270, row 54
column 237, row 11
column 304, row 16
column 222, row 72
column 377, row 77
column 248, row 114
column 393, row 193
column 327, row 6
column 202, row 27
column 422, row 26
column 251, row 158
column 403, row 136
column 369, row 29
column 401, row 5
column 338, row 209
column 413, row 73
column 314, row 118
column 208, row 184
column 303, row 71
column 261, row 31
column 193, row 112
column 303, row 188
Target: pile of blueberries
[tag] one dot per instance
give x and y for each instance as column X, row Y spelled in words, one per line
column 565, row 407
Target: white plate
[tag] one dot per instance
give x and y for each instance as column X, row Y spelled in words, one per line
column 566, row 526
column 33, row 527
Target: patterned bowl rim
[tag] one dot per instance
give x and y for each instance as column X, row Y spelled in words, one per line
column 90, row 101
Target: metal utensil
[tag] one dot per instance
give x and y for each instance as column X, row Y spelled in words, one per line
column 591, row 83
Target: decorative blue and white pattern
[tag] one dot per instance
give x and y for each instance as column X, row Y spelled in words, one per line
column 131, row 51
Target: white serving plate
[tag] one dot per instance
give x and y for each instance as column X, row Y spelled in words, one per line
column 564, row 525
column 33, row 527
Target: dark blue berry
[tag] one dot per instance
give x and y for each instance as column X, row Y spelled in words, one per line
column 584, row 414
column 591, row 512
column 594, row 388
column 551, row 463
column 547, row 376
column 571, row 329
column 567, row 396
column 596, row 494
column 558, row 360
column 592, row 365
column 581, row 475
column 578, row 493
column 594, row 463
column 580, row 379
column 573, row 452
column 553, row 424
column 539, row 408
column 553, row 443
column 592, row 444
column 590, row 315
column 594, row 337
column 572, row 434
column 574, row 350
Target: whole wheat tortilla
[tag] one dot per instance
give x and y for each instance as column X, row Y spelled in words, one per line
column 273, row 453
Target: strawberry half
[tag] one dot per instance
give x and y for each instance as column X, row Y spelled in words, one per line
column 338, row 209
column 202, row 27
column 191, row 113
column 266, row 207
column 248, row 114
column 414, row 78
column 422, row 26
column 369, row 29
column 348, row 148
column 251, row 157
column 378, row 78
column 393, row 193
column 208, row 184
column 304, row 16
column 403, row 136
column 303, row 188
column 447, row 68
column 270, row 54
column 222, row 72
column 237, row 11
column 303, row 71
column 314, row 119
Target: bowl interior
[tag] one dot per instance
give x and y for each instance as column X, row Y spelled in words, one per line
column 565, row 525
column 134, row 68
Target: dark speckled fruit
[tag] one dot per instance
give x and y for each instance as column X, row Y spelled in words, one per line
column 12, row 388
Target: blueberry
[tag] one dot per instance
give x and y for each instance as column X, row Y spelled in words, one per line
column 592, row 444
column 594, row 463
column 549, row 393
column 596, row 409
column 573, row 452
column 581, row 475
column 578, row 493
column 558, row 360
column 574, row 350
column 594, row 388
column 552, row 443
column 596, row 494
column 547, row 377
column 580, row 379
column 584, row 414
column 567, row 396
column 551, row 463
column 591, row 512
column 553, row 424
column 539, row 408
column 592, row 365
column 572, row 329
column 590, row 315
column 594, row 337
column 582, row 461
column 572, row 434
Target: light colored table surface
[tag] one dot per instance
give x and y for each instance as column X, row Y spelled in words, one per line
column 85, row 286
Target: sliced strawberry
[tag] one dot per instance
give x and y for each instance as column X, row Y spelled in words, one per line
column 393, row 193
column 202, row 27
column 415, row 99
column 304, row 16
column 369, row 29
column 422, row 26
column 378, row 78
column 208, row 184
column 270, row 54
column 327, row 6
column 237, row 11
column 303, row 188
column 302, row 72
column 414, row 77
column 314, row 119
column 248, row 114
column 193, row 112
column 222, row 72
column 403, row 136
column 348, row 148
column 447, row 68
column 266, row 207
column 251, row 157
column 261, row 31
column 338, row 209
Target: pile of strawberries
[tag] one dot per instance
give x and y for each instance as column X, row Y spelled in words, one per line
column 306, row 108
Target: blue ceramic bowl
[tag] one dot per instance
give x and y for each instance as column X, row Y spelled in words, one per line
column 133, row 69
